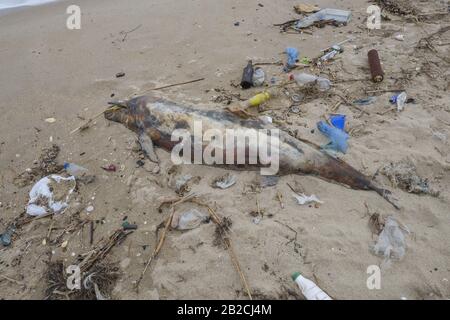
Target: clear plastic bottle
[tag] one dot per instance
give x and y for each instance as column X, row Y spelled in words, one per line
column 401, row 100
column 309, row 289
column 303, row 79
column 74, row 169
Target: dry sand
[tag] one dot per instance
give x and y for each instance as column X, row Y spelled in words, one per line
column 50, row 71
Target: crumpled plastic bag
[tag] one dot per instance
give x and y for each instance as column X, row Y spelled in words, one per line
column 50, row 195
column 391, row 241
column 187, row 220
column 224, row 182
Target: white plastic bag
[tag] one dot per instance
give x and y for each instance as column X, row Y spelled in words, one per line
column 50, row 195
column 391, row 241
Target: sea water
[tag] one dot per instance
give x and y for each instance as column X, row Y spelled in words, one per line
column 9, row 4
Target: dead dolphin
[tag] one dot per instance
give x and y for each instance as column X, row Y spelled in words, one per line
column 155, row 119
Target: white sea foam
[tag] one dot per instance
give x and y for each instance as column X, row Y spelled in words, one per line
column 8, row 4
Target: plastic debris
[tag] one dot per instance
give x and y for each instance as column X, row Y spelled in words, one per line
column 182, row 183
column 189, row 220
column 258, row 77
column 336, row 15
column 6, row 237
column 338, row 121
column 110, row 168
column 338, row 138
column 128, row 226
column 391, row 241
column 399, row 37
column 50, row 195
column 365, row 101
column 266, row 119
column 225, row 181
column 305, row 60
column 309, row 289
column 50, row 120
column 306, row 79
column 256, row 100
column 292, row 54
column 304, row 199
column 331, row 52
column 269, row 181
column 401, row 100
column 74, row 169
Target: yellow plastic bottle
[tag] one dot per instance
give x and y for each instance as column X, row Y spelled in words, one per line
column 258, row 99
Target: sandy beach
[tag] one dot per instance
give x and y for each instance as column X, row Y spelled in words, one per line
column 49, row 71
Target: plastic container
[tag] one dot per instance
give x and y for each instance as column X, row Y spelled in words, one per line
column 74, row 169
column 309, row 289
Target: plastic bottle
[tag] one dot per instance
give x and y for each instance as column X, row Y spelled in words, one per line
column 302, row 79
column 258, row 77
column 309, row 289
column 74, row 169
column 401, row 100
column 257, row 100
column 247, row 76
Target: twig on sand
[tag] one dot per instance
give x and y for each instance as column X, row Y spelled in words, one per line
column 157, row 249
column 229, row 246
column 351, row 104
column 175, row 84
column 127, row 32
column 280, row 199
column 88, row 122
column 386, row 90
column 12, row 280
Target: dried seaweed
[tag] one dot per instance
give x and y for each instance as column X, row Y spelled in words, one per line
column 403, row 174
column 104, row 275
column 397, row 7
column 46, row 165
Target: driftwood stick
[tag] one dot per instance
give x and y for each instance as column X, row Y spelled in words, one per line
column 383, row 91
column 175, row 84
column 233, row 256
column 157, row 249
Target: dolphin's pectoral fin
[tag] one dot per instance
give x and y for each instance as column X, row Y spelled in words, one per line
column 147, row 146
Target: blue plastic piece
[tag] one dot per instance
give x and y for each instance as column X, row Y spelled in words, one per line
column 338, row 120
column 338, row 138
column 292, row 54
column 393, row 99
column 365, row 101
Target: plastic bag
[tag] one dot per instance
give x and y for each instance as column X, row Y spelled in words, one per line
column 50, row 194
column 391, row 241
column 187, row 220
